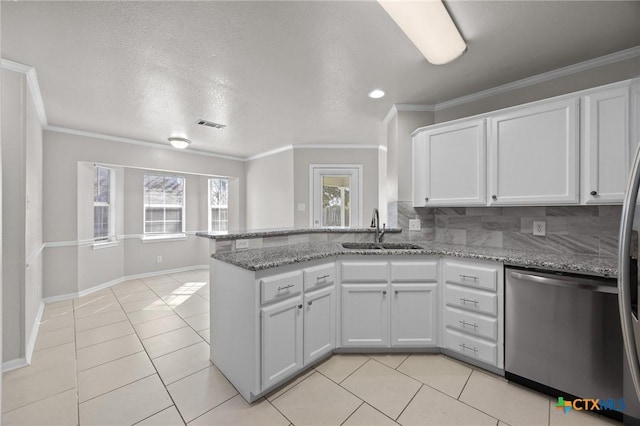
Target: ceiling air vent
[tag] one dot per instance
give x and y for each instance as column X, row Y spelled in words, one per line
column 210, row 124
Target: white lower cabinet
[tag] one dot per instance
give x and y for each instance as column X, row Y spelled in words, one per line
column 399, row 311
column 365, row 315
column 473, row 310
column 319, row 323
column 414, row 316
column 281, row 340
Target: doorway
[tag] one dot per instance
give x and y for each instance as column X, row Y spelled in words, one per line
column 336, row 192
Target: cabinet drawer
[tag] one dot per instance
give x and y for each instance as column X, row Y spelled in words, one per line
column 471, row 347
column 471, row 299
column 280, row 286
column 478, row 276
column 319, row 276
column 471, row 323
column 364, row 272
column 414, row 271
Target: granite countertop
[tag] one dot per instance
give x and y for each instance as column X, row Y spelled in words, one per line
column 265, row 258
column 280, row 232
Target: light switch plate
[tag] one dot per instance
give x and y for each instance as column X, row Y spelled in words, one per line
column 242, row 244
column 540, row 228
column 414, row 224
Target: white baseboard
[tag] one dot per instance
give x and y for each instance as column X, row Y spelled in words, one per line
column 14, row 364
column 99, row 287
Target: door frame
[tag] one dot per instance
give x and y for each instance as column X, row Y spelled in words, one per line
column 360, row 198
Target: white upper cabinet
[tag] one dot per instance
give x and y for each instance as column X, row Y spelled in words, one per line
column 533, row 154
column 605, row 145
column 449, row 165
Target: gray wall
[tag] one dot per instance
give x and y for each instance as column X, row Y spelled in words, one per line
column 71, row 266
column 559, row 86
column 22, row 222
column 270, row 191
column 304, row 158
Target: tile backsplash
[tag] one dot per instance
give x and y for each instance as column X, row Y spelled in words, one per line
column 570, row 229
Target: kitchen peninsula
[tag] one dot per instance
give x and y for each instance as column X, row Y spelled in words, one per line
column 294, row 304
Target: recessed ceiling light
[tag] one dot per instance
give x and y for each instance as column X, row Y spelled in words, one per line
column 376, row 94
column 180, row 143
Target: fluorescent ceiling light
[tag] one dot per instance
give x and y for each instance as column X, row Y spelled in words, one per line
column 376, row 94
column 180, row 143
column 429, row 26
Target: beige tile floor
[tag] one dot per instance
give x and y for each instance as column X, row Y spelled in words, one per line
column 138, row 353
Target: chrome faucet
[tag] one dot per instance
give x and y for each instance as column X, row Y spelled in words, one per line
column 375, row 223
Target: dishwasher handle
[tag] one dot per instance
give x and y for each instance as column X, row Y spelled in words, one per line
column 577, row 283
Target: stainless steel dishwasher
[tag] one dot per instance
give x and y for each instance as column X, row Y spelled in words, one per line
column 562, row 334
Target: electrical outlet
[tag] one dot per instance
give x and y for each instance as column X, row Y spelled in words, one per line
column 540, row 228
column 158, row 259
column 414, row 224
column 242, row 244
column 302, row 207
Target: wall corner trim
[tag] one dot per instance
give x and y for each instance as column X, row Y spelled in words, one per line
column 31, row 343
column 34, row 86
column 14, row 364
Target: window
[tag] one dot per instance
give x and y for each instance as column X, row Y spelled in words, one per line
column 103, row 223
column 218, row 204
column 163, row 204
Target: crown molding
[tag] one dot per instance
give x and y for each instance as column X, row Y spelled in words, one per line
column 269, row 153
column 541, row 78
column 137, row 142
column 34, row 86
column 335, row 146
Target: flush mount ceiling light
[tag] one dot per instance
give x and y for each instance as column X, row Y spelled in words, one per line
column 376, row 94
column 429, row 26
column 180, row 143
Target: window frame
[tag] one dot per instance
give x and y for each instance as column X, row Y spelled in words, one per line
column 210, row 206
column 111, row 233
column 165, row 235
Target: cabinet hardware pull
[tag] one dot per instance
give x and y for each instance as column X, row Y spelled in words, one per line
column 465, row 347
column 285, row 287
column 594, row 193
column 471, row 277
column 397, row 291
column 299, row 306
column 494, row 197
column 464, row 323
column 310, row 302
column 464, row 301
column 384, row 292
column 322, row 277
column 426, row 198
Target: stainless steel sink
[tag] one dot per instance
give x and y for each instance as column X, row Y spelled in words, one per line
column 381, row 246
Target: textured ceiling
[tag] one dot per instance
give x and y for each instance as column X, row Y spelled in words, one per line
column 280, row 73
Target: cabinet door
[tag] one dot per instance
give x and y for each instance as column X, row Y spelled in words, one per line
column 281, row 340
column 414, row 319
column 605, row 140
column 449, row 165
column 319, row 323
column 365, row 315
column 533, row 155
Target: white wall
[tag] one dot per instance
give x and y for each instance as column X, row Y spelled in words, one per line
column 71, row 267
column 270, row 191
column 304, row 157
column 22, row 220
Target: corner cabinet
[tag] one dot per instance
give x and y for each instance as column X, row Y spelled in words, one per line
column 606, row 151
column 449, row 165
column 533, row 154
